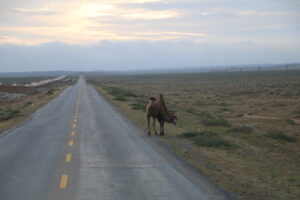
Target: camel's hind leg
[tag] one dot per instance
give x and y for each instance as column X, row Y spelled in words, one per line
column 154, row 128
column 162, row 132
column 148, row 123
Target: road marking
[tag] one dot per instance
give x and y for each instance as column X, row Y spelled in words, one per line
column 63, row 181
column 68, row 157
column 74, row 125
column 71, row 143
column 73, row 133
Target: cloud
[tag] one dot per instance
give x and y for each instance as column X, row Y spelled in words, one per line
column 140, row 33
column 36, row 11
column 118, row 12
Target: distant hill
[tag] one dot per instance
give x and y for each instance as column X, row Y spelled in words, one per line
column 252, row 67
column 39, row 74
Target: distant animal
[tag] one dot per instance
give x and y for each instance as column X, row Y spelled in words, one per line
column 157, row 109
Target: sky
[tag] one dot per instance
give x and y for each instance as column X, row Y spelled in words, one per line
column 44, row 35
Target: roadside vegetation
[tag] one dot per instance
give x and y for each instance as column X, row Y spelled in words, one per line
column 18, row 102
column 239, row 128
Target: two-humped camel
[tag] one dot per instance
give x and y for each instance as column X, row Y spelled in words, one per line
column 157, row 109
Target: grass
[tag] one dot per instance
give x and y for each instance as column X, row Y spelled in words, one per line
column 224, row 104
column 188, row 134
column 116, row 91
column 120, row 94
column 290, row 121
column 138, row 106
column 242, row 129
column 120, row 98
column 278, row 135
column 207, row 139
column 50, row 92
column 216, row 122
column 28, row 103
column 8, row 114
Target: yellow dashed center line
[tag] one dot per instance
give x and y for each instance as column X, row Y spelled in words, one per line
column 63, row 181
column 64, row 178
column 68, row 157
column 71, row 143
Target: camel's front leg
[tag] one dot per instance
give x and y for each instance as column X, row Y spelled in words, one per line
column 154, row 128
column 148, row 123
column 162, row 128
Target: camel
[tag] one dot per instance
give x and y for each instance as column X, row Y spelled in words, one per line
column 157, row 110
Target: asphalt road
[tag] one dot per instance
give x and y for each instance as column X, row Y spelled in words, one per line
column 79, row 146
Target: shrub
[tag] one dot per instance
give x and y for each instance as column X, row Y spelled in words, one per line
column 207, row 139
column 214, row 142
column 8, row 113
column 297, row 111
column 225, row 109
column 216, row 122
column 278, row 135
column 138, row 106
column 242, row 129
column 120, row 98
column 188, row 134
column 12, row 111
column 290, row 121
column 206, row 115
column 28, row 103
column 50, row 92
column 115, row 91
column 224, row 104
column 190, row 110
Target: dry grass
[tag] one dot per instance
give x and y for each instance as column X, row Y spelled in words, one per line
column 240, row 108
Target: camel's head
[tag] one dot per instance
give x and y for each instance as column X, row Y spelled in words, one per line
column 173, row 118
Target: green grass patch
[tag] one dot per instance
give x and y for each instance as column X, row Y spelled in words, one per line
column 216, row 122
column 119, row 94
column 28, row 103
column 278, row 135
column 188, row 134
column 225, row 109
column 115, row 91
column 138, row 106
column 206, row 115
column 50, row 92
column 120, row 98
column 290, row 121
column 8, row 113
column 242, row 129
column 224, row 104
column 208, row 139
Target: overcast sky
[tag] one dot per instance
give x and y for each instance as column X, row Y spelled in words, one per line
column 40, row 35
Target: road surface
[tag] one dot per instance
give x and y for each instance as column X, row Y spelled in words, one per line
column 79, row 146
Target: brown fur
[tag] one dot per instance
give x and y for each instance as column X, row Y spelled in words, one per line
column 157, row 109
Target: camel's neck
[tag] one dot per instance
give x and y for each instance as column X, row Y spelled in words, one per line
column 166, row 114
